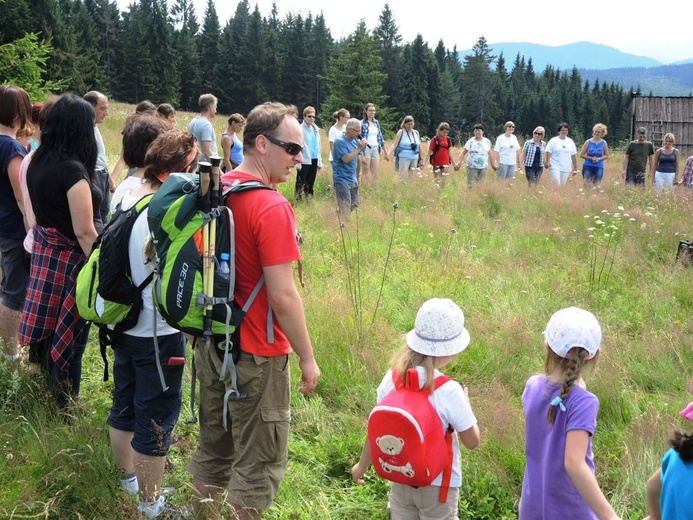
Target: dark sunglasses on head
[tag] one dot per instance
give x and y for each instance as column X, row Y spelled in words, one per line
column 292, row 149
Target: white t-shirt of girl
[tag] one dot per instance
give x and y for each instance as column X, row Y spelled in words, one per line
column 332, row 135
column 453, row 409
column 129, row 183
column 372, row 135
column 140, row 270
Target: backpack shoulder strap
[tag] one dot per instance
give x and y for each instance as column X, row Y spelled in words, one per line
column 238, row 187
column 440, row 381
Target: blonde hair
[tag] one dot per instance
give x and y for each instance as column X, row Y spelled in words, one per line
column 342, row 112
column 407, row 119
column 600, row 126
column 405, row 358
column 569, row 369
column 670, row 136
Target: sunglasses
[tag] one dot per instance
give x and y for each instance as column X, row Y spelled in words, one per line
column 292, row 149
column 538, row 133
column 310, row 116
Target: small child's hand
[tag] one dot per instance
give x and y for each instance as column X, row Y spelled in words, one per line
column 357, row 473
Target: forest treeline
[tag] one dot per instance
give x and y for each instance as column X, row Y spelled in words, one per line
column 166, row 53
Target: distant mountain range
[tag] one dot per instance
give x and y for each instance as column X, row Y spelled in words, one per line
column 597, row 61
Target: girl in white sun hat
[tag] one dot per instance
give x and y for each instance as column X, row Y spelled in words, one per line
column 560, row 420
column 438, row 336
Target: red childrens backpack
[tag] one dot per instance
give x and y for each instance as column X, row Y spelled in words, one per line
column 406, row 436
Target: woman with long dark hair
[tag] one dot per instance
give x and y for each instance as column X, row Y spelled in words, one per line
column 66, row 201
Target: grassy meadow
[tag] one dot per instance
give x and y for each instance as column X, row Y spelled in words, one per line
column 508, row 255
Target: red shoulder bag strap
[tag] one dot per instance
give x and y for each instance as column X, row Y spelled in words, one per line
column 447, row 472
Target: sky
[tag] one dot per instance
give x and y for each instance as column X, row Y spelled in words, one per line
column 663, row 34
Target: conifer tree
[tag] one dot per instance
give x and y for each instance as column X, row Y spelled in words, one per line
column 355, row 76
column 185, row 22
column 479, row 86
column 208, row 42
column 387, row 34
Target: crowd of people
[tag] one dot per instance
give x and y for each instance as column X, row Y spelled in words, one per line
column 56, row 196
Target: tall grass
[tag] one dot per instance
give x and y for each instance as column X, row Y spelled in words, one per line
column 510, row 256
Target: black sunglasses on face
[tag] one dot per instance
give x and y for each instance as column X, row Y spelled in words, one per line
column 292, row 149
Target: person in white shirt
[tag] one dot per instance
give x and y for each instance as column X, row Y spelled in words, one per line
column 561, row 156
column 507, row 150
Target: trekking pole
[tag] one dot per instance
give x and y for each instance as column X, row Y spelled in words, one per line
column 204, row 205
column 212, row 243
column 214, row 198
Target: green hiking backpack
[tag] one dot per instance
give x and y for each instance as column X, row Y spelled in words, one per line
column 106, row 294
column 176, row 224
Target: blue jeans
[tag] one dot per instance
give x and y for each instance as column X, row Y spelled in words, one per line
column 506, row 171
column 592, row 174
column 533, row 174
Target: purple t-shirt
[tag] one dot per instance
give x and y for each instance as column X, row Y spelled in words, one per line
column 547, row 490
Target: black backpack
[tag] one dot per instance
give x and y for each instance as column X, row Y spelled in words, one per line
column 106, row 294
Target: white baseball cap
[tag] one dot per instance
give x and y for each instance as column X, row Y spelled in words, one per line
column 573, row 327
column 439, row 329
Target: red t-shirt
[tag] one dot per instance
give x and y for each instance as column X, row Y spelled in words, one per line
column 441, row 157
column 265, row 236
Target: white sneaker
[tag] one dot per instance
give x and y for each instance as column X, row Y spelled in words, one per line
column 152, row 509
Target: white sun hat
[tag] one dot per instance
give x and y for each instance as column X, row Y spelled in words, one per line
column 439, row 329
column 573, row 327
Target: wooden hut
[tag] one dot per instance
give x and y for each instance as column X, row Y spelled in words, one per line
column 661, row 115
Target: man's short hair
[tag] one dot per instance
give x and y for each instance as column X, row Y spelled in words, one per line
column 206, row 101
column 264, row 119
column 352, row 123
column 93, row 96
column 642, row 130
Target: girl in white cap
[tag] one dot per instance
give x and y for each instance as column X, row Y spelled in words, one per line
column 560, row 419
column 438, row 336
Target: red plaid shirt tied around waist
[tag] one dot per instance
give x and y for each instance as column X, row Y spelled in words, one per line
column 50, row 309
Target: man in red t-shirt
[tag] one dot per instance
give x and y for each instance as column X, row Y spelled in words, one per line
column 250, row 458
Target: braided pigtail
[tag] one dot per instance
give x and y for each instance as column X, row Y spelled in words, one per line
column 570, row 368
